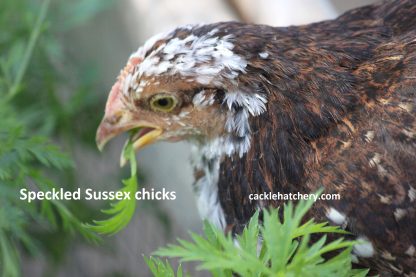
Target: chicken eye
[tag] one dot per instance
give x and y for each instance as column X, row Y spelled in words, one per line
column 163, row 103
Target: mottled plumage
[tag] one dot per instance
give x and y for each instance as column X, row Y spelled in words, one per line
column 330, row 104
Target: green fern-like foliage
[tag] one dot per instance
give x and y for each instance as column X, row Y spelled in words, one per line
column 275, row 248
column 122, row 211
column 163, row 269
column 23, row 159
column 29, row 115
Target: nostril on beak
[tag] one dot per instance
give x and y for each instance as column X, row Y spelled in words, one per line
column 114, row 119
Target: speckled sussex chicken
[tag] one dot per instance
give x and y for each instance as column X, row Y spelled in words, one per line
column 330, row 104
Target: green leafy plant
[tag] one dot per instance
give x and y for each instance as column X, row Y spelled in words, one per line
column 33, row 119
column 23, row 159
column 162, row 269
column 275, row 248
column 122, row 211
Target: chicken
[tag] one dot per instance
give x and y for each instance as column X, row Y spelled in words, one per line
column 289, row 110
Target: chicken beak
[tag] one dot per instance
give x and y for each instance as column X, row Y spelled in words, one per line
column 142, row 134
column 138, row 143
column 106, row 131
column 146, row 139
column 115, row 115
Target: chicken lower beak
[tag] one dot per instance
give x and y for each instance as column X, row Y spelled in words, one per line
column 143, row 140
column 146, row 139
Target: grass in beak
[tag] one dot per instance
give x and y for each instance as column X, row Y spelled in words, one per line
column 132, row 135
column 121, row 212
column 124, row 157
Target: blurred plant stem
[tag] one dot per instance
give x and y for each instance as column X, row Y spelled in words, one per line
column 34, row 36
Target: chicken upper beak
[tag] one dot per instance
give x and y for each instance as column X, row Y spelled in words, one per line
column 145, row 133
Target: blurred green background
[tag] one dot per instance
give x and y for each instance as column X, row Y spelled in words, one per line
column 58, row 60
column 49, row 109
